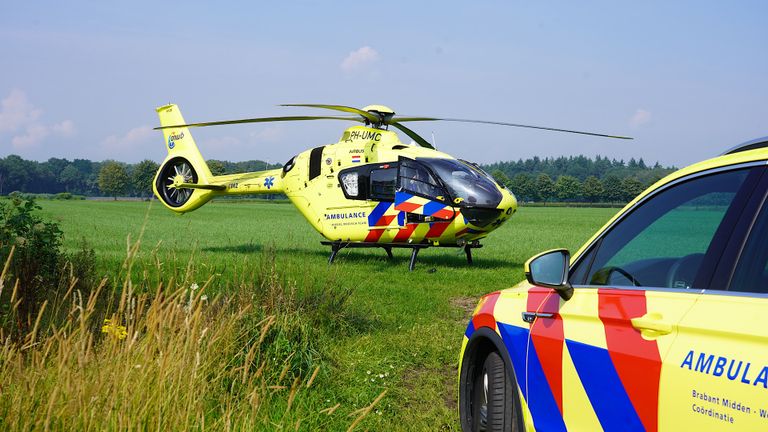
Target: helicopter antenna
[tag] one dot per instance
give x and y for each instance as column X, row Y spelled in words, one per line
column 434, row 143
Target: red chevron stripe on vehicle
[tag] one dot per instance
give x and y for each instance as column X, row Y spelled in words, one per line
column 637, row 360
column 374, row 235
column 418, row 205
column 408, row 207
column 403, row 234
column 484, row 315
column 436, row 229
column 548, row 338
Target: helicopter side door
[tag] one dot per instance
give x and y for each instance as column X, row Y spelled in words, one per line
column 420, row 194
column 372, row 188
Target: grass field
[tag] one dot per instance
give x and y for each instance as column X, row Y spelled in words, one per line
column 409, row 325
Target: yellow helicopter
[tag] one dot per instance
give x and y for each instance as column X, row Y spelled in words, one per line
column 367, row 190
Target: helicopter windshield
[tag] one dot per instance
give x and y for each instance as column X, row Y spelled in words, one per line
column 467, row 185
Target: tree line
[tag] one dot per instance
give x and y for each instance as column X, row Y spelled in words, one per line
column 89, row 178
column 569, row 179
column 576, row 178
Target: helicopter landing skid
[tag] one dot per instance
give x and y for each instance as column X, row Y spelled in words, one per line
column 336, row 246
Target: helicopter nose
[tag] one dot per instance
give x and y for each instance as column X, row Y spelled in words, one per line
column 491, row 218
column 481, row 217
column 508, row 204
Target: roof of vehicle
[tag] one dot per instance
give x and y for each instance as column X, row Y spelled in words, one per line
column 749, row 145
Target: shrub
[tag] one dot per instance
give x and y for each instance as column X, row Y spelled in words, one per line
column 34, row 248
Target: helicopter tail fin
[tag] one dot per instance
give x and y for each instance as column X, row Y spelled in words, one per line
column 184, row 164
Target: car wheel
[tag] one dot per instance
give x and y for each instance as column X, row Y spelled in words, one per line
column 492, row 395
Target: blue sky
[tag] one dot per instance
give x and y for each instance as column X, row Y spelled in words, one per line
column 686, row 79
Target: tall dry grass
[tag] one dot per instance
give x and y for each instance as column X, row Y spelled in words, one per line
column 178, row 358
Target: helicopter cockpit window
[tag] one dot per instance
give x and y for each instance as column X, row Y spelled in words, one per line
column 415, row 178
column 350, row 184
column 467, row 184
column 383, row 184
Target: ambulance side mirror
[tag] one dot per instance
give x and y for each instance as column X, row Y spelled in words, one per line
column 550, row 270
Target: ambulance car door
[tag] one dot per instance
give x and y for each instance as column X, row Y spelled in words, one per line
column 719, row 361
column 603, row 353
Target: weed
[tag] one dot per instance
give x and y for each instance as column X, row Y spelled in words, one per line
column 172, row 359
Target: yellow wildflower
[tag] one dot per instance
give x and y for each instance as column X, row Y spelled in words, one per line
column 114, row 329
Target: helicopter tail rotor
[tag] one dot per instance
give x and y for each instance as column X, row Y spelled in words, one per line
column 183, row 167
column 167, row 180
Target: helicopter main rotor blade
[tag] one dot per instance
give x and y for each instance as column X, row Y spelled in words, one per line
column 411, row 119
column 413, row 135
column 370, row 117
column 261, row 120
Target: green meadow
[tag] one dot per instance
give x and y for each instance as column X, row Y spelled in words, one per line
column 401, row 331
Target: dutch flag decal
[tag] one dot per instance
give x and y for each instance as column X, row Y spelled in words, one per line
column 355, row 158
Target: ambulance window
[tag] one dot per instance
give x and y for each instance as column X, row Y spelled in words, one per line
column 662, row 242
column 354, row 183
column 383, row 184
column 751, row 273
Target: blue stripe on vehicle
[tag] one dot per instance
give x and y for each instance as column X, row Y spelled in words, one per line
column 377, row 213
column 401, row 197
column 470, row 329
column 401, row 218
column 432, row 207
column 603, row 386
column 541, row 402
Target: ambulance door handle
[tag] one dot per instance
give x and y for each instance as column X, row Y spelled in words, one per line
column 652, row 325
column 529, row 317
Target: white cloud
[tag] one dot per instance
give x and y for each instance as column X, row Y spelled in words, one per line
column 35, row 134
column 20, row 117
column 65, row 128
column 639, row 118
column 359, row 59
column 137, row 135
column 140, row 142
column 268, row 134
column 16, row 112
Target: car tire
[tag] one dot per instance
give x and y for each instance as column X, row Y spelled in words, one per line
column 492, row 398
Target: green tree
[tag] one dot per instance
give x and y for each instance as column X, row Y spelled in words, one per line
column 593, row 189
column 113, row 179
column 631, row 188
column 522, row 185
column 500, row 177
column 18, row 173
column 612, row 187
column 217, row 167
column 545, row 187
column 141, row 177
column 56, row 165
column 567, row 188
column 72, row 178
